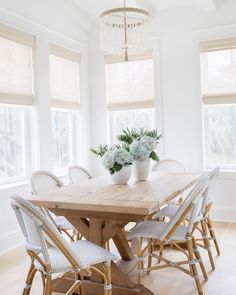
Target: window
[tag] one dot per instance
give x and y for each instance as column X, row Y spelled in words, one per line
column 220, row 136
column 218, row 68
column 130, row 94
column 120, row 120
column 65, row 97
column 12, row 143
column 62, row 138
column 16, row 95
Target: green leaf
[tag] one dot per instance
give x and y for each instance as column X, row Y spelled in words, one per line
column 112, row 171
column 125, row 138
column 102, row 149
column 154, row 156
column 129, row 135
column 153, row 133
column 117, row 167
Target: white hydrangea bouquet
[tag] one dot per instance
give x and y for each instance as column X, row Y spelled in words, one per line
column 142, row 145
column 114, row 158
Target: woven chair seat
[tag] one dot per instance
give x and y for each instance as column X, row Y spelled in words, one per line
column 63, row 223
column 86, row 252
column 170, row 211
column 154, row 229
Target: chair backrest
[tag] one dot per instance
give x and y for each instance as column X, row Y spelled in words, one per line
column 38, row 230
column 192, row 204
column 77, row 174
column 208, row 196
column 44, row 182
column 169, row 166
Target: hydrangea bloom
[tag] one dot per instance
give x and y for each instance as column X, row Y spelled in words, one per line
column 108, row 160
column 139, row 151
column 149, row 142
column 122, row 157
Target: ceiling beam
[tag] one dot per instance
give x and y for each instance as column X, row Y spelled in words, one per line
column 206, row 5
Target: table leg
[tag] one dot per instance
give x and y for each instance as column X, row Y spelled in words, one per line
column 122, row 246
column 121, row 284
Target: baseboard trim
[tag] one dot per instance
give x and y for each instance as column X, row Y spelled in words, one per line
column 10, row 241
column 223, row 214
column 7, row 251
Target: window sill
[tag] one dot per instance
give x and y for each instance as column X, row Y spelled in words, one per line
column 14, row 184
column 225, row 174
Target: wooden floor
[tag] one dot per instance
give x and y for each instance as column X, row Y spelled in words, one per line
column 13, row 268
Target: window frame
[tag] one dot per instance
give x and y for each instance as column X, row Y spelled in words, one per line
column 214, row 99
column 128, row 106
column 22, row 101
column 74, row 108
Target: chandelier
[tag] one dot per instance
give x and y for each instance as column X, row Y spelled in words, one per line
column 125, row 31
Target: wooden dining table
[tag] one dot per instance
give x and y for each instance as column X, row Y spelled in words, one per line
column 99, row 210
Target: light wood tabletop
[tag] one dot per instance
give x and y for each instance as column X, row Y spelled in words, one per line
column 100, row 195
column 99, row 210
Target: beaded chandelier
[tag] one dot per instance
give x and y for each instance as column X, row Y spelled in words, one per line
column 125, row 30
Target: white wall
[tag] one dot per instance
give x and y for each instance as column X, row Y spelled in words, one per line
column 48, row 23
column 176, row 33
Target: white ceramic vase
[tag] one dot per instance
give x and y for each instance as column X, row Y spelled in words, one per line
column 122, row 176
column 141, row 169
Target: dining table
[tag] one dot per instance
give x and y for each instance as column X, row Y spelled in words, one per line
column 100, row 210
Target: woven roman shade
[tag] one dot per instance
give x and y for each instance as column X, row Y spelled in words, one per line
column 16, row 66
column 64, row 77
column 130, row 85
column 218, row 69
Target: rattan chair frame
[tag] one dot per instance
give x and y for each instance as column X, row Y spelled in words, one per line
column 72, row 233
column 79, row 271
column 85, row 171
column 205, row 226
column 192, row 252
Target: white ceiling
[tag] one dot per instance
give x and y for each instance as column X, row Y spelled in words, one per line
column 93, row 8
column 86, row 12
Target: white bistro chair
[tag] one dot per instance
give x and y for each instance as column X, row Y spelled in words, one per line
column 169, row 165
column 206, row 228
column 77, row 174
column 52, row 255
column 173, row 233
column 43, row 182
